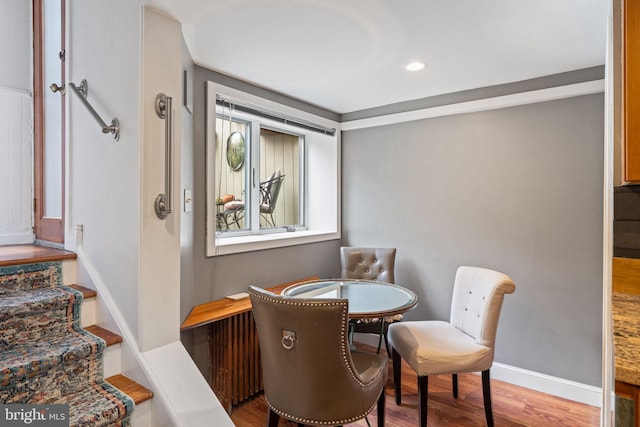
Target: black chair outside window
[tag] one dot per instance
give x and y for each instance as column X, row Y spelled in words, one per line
column 234, row 210
column 269, row 192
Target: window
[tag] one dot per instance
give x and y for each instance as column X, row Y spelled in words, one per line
column 272, row 174
column 278, row 162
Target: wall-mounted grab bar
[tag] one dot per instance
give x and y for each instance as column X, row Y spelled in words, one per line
column 164, row 111
column 82, row 91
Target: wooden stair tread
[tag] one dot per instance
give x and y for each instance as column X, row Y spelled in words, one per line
column 136, row 391
column 86, row 292
column 110, row 338
column 28, row 254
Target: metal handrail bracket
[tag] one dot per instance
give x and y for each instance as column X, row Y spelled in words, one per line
column 163, row 205
column 82, row 92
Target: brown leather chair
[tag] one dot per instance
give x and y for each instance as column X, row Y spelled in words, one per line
column 370, row 264
column 464, row 344
column 310, row 375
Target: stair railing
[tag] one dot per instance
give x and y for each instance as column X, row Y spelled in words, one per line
column 82, row 92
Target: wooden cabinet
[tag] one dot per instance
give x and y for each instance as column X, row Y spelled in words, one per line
column 625, row 306
column 627, row 398
column 631, row 90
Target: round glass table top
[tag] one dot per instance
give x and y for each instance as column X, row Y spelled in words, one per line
column 367, row 298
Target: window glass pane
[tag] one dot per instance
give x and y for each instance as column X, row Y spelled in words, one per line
column 280, row 169
column 52, row 111
column 232, row 155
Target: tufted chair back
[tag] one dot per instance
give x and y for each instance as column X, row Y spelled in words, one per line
column 368, row 263
column 478, row 294
column 464, row 344
column 310, row 374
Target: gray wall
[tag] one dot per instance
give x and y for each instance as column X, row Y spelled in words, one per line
column 516, row 189
column 205, row 279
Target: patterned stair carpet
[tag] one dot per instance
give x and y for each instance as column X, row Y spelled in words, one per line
column 45, row 356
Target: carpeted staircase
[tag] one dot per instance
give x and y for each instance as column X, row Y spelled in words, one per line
column 45, row 356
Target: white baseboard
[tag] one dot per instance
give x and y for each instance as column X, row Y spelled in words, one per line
column 567, row 389
column 543, row 383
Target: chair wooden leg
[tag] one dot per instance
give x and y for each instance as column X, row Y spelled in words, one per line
column 273, row 419
column 486, row 393
column 351, row 328
column 381, row 336
column 386, row 344
column 397, row 375
column 423, row 387
column 454, row 381
column 381, row 404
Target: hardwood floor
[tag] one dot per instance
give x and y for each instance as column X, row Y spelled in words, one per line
column 512, row 406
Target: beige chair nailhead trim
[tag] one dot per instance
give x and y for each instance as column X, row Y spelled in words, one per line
column 316, row 422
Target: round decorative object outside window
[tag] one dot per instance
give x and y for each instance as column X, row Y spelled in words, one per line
column 235, row 151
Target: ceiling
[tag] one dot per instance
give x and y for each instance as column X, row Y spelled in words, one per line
column 349, row 55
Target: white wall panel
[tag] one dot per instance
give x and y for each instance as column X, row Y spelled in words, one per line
column 103, row 174
column 16, row 45
column 159, row 284
column 15, row 167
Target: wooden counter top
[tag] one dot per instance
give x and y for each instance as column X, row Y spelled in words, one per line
column 626, row 337
column 212, row 311
column 625, row 302
column 235, row 372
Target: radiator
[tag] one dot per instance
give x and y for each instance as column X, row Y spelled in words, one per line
column 235, row 359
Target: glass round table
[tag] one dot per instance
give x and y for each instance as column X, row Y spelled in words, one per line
column 367, row 298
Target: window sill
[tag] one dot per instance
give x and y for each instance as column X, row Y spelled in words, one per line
column 232, row 245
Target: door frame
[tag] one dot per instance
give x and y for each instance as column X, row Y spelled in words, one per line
column 46, row 228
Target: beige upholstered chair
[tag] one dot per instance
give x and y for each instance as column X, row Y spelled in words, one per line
column 370, row 264
column 464, row 344
column 310, row 374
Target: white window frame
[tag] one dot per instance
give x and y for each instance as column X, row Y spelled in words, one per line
column 252, row 166
column 322, row 168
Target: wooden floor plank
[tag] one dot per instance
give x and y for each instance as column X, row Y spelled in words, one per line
column 512, row 405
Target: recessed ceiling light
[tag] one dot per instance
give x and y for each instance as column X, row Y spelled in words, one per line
column 415, row 66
